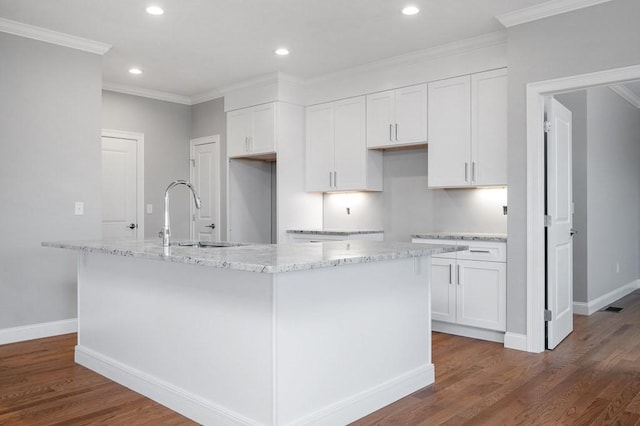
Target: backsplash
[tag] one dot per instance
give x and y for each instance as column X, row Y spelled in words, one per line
column 407, row 206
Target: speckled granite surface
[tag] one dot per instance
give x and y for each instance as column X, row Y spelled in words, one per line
column 468, row 236
column 267, row 258
column 335, row 231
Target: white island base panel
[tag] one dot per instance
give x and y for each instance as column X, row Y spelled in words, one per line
column 226, row 347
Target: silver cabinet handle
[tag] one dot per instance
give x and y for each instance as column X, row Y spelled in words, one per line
column 458, row 274
column 466, row 172
column 246, row 143
column 330, row 180
column 335, row 179
column 396, row 132
column 450, row 273
column 479, row 251
column 473, row 171
column 390, row 132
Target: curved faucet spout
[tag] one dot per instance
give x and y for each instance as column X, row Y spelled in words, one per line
column 166, row 230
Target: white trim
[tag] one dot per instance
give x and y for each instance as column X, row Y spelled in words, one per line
column 515, row 341
column 466, row 331
column 146, row 93
column 457, row 47
column 214, row 139
column 627, row 94
column 139, row 138
column 38, row 331
column 544, row 10
column 535, row 186
column 209, row 95
column 53, row 37
column 598, row 303
column 177, row 399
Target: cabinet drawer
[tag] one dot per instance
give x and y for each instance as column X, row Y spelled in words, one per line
column 490, row 251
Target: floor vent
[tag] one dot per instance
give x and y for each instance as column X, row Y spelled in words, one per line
column 612, row 309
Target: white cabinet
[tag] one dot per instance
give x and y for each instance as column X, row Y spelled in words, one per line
column 397, row 117
column 252, row 131
column 468, row 130
column 469, row 288
column 337, row 158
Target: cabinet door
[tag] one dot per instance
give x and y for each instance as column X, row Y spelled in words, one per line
column 443, row 290
column 380, row 119
column 411, row 115
column 489, row 128
column 350, row 145
column 319, row 147
column 263, row 136
column 449, row 116
column 481, row 296
column 238, row 131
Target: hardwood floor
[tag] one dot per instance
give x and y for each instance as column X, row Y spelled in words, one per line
column 593, row 377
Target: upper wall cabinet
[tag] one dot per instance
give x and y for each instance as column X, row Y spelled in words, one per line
column 251, row 131
column 337, row 158
column 397, row 117
column 468, row 131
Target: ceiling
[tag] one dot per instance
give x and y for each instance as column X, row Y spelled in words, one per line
column 201, row 45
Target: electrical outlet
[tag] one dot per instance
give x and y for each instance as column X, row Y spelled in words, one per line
column 79, row 208
column 149, row 208
column 617, row 267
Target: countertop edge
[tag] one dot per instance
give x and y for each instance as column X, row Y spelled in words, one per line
column 502, row 238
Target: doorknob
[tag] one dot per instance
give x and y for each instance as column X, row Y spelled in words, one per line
column 212, row 226
column 132, row 226
column 573, row 232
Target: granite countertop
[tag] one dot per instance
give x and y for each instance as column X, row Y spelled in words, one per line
column 466, row 236
column 335, row 231
column 266, row 258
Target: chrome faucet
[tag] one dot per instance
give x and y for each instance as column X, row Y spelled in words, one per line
column 165, row 233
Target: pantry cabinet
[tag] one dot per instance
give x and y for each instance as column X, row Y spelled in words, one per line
column 337, row 158
column 468, row 131
column 469, row 288
column 252, row 131
column 397, row 117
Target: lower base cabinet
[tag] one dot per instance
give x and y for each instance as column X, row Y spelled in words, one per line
column 469, row 288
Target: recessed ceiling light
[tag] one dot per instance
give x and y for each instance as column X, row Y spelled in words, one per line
column 410, row 10
column 282, row 51
column 155, row 10
column 136, row 71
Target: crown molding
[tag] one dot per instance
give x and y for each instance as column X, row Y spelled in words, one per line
column 54, row 37
column 146, row 93
column 209, row 95
column 627, row 94
column 257, row 81
column 457, row 47
column 544, row 10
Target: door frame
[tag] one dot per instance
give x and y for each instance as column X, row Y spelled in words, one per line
column 535, row 186
column 215, row 140
column 139, row 140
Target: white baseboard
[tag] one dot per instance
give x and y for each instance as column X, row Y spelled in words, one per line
column 207, row 412
column 465, row 331
column 515, row 341
column 37, row 331
column 595, row 305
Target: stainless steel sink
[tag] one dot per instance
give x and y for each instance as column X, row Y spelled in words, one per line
column 205, row 244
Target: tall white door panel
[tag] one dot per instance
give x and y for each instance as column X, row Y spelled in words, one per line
column 319, row 147
column 205, row 174
column 350, row 145
column 119, row 188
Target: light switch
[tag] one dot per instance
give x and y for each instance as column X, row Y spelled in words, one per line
column 149, row 208
column 79, row 208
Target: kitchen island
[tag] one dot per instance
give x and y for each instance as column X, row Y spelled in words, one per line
column 284, row 334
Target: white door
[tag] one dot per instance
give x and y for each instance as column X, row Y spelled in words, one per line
column 559, row 232
column 411, row 114
column 119, row 188
column 449, row 117
column 482, row 290
column 443, row 289
column 319, row 148
column 205, row 172
column 350, row 144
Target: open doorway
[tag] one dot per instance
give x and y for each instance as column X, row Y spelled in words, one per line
column 536, row 272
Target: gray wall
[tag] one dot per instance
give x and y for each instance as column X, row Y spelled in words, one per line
column 166, row 127
column 407, row 206
column 49, row 158
column 208, row 119
column 613, row 151
column 592, row 39
column 577, row 103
